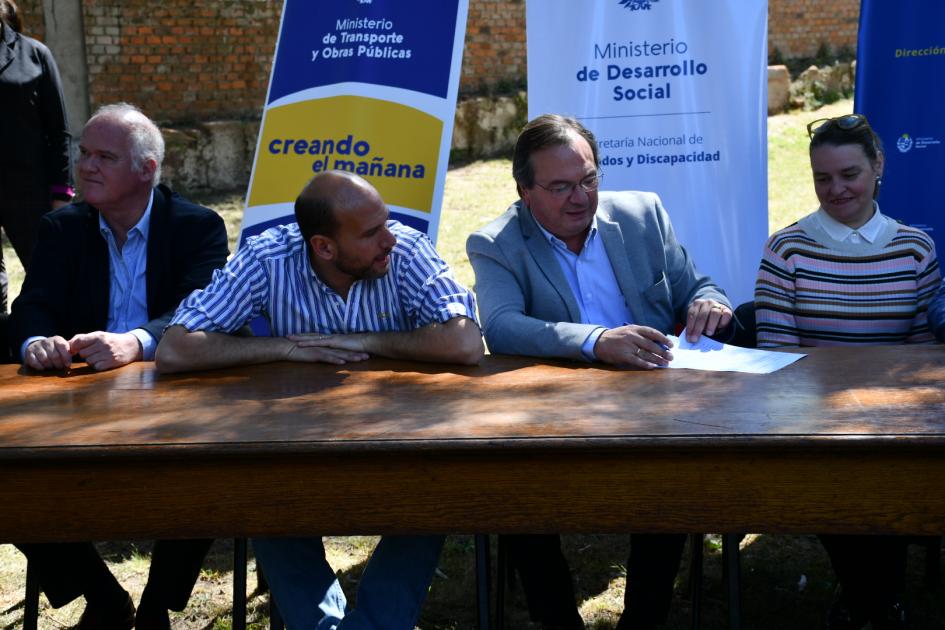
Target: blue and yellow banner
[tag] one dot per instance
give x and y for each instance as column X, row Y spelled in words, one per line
column 366, row 86
column 900, row 87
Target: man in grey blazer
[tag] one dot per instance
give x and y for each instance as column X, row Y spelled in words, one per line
column 568, row 272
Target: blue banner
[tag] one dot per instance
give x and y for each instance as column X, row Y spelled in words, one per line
column 405, row 45
column 900, row 88
column 366, row 86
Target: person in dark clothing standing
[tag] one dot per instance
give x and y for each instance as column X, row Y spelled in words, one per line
column 35, row 153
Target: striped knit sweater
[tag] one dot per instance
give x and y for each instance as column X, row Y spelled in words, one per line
column 815, row 291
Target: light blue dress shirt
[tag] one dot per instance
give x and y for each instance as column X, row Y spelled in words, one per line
column 593, row 284
column 128, row 285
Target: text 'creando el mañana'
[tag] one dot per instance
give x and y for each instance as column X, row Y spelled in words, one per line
column 355, row 157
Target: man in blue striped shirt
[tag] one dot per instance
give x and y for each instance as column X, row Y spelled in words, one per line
column 341, row 284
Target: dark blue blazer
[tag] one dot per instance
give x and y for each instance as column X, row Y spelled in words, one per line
column 67, row 285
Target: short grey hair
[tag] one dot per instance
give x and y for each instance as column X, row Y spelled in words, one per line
column 147, row 143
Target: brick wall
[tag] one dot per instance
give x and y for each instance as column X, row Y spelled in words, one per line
column 181, row 61
column 495, row 45
column 495, row 36
column 31, row 14
column 185, row 61
column 797, row 28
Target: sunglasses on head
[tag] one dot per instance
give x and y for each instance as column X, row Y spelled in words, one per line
column 846, row 122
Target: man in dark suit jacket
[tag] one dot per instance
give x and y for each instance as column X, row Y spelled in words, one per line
column 106, row 277
column 572, row 273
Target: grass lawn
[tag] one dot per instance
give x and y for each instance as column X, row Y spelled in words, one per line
column 787, row 582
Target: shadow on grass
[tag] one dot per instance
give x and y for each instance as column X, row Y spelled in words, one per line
column 774, row 593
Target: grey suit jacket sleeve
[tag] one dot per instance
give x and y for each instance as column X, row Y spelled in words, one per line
column 506, row 306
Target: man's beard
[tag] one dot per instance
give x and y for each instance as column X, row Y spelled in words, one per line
column 361, row 272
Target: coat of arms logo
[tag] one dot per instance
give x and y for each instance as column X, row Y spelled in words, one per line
column 638, row 5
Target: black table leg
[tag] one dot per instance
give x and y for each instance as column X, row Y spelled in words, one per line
column 239, row 584
column 484, row 605
column 695, row 578
column 31, row 602
column 733, row 571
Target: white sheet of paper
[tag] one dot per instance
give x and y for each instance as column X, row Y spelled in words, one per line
column 708, row 354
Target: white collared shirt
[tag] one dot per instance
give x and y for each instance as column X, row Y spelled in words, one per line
column 843, row 233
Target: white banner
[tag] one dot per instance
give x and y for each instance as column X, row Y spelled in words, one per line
column 676, row 93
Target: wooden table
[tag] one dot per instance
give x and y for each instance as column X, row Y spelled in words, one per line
column 845, row 440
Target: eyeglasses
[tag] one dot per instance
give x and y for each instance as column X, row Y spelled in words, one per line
column 847, row 123
column 564, row 189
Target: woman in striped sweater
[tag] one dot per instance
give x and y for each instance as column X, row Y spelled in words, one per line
column 847, row 274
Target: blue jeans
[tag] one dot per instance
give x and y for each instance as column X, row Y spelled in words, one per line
column 390, row 593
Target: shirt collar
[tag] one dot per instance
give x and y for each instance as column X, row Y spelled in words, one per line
column 869, row 231
column 9, row 36
column 143, row 226
column 7, row 47
column 554, row 241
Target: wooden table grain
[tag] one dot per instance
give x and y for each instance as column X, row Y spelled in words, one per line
column 844, row 440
